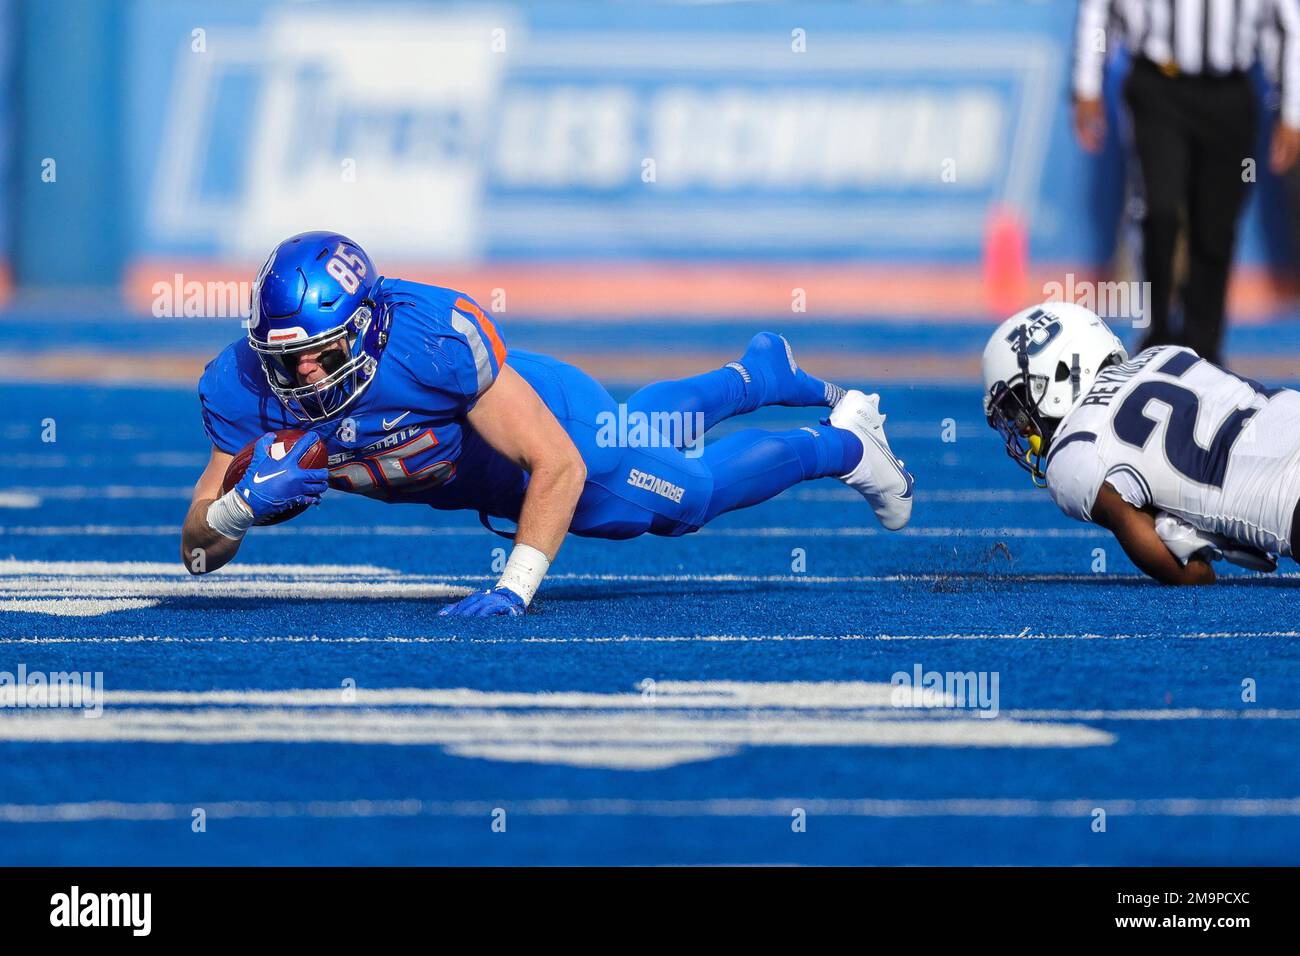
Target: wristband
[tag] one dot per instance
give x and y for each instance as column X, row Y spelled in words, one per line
column 524, row 571
column 229, row 516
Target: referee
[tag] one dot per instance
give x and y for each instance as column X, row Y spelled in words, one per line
column 1194, row 123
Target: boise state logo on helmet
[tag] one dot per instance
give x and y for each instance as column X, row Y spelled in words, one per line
column 313, row 295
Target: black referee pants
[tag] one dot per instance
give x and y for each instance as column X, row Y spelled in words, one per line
column 1192, row 136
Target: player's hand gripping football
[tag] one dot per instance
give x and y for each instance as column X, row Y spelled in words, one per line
column 270, row 486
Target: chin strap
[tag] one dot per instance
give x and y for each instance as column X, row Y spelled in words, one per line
column 1022, row 355
column 1035, row 453
column 1033, row 457
column 1076, row 375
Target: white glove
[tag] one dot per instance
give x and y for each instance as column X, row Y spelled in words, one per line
column 1185, row 541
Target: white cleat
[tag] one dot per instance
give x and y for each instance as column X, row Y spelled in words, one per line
column 880, row 477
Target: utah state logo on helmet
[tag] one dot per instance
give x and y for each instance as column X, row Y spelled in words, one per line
column 1037, row 366
column 314, row 291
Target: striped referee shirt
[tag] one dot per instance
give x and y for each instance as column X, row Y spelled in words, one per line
column 1194, row 37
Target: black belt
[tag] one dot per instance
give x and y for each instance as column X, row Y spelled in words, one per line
column 1171, row 71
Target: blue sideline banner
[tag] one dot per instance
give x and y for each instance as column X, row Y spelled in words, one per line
column 877, row 132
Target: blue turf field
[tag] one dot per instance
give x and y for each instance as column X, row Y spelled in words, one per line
column 766, row 697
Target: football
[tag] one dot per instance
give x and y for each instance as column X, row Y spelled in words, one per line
column 285, row 439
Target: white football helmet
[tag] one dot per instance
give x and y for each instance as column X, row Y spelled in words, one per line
column 1037, row 365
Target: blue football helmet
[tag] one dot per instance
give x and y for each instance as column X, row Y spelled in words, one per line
column 315, row 290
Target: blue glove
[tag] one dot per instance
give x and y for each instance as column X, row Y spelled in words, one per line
column 270, row 487
column 491, row 603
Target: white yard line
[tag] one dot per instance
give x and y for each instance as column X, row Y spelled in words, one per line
column 12, row 567
column 408, row 531
column 629, row 638
column 816, row 493
column 676, row 722
column 956, row 807
column 69, row 606
column 102, row 492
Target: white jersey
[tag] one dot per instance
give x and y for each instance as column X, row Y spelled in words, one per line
column 1170, row 430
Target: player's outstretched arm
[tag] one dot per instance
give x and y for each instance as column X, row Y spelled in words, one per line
column 1136, row 532
column 513, row 419
column 202, row 548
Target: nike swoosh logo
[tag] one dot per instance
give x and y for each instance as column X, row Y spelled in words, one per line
column 258, row 479
column 393, row 423
column 911, row 482
column 903, row 473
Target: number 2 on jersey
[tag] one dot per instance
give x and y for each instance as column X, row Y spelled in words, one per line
column 1207, row 466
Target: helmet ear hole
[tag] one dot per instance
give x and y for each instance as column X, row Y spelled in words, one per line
column 283, row 372
column 1062, row 372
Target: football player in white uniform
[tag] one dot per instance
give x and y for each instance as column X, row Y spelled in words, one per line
column 1183, row 462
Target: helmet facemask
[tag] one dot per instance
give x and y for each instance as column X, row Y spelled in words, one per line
column 1013, row 409
column 348, row 370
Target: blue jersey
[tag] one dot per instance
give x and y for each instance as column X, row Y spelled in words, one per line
column 405, row 439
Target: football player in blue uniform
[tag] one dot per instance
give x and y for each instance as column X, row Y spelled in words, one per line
column 418, row 400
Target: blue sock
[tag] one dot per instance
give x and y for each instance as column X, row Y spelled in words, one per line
column 719, row 395
column 772, row 377
column 753, row 465
column 762, row 377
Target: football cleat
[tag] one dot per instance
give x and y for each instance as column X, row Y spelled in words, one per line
column 879, row 476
